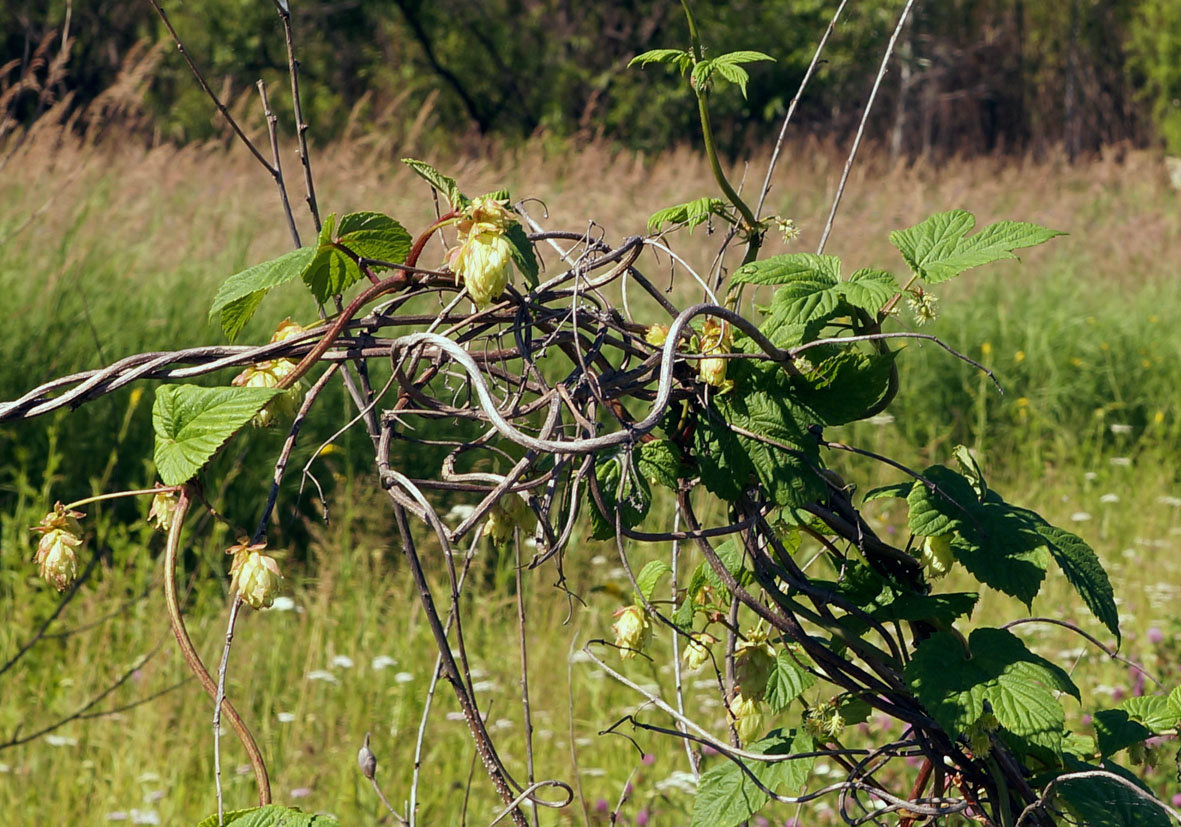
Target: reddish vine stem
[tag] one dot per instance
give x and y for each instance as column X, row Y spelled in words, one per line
column 176, row 621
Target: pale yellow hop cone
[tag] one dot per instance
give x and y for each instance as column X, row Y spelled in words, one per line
column 748, row 717
column 258, row 579
column 163, row 508
column 484, row 262
column 633, row 630
column 61, row 534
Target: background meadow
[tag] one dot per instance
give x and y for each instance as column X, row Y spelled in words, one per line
column 107, row 249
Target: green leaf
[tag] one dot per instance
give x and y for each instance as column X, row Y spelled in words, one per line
column 789, row 269
column 733, row 558
column 669, row 56
column 938, row 250
column 702, row 73
column 743, row 56
column 367, row 235
column 732, row 73
column 787, row 681
column 1154, row 711
column 650, row 575
column 683, row 616
column 1082, row 568
column 785, row 452
column 618, row 481
column 724, row 467
column 970, row 468
column 726, row 796
column 443, row 183
column 943, row 608
column 897, row 491
column 271, row 815
column 953, row 685
column 523, row 255
column 844, row 388
column 192, row 423
column 1175, row 702
column 999, row 544
column 691, row 213
column 240, row 294
column 1103, row 802
column 1115, row 729
column 660, row 463
column 869, row 289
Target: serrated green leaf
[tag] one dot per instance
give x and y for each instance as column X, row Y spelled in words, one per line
column 683, row 616
column 726, row 796
column 703, row 71
column 1115, row 729
column 783, row 451
column 953, row 685
column 239, row 289
column 943, row 508
column 660, row 463
column 192, row 423
column 938, row 250
column 724, row 467
column 732, row 73
column 970, row 468
column 787, row 681
column 733, row 559
column 844, row 388
column 443, row 183
column 790, row 268
column 1082, row 568
column 650, row 575
column 272, row 815
column 869, row 289
column 617, row 481
column 365, row 234
column 670, row 56
column 522, row 251
column 897, row 491
column 743, row 56
column 1154, row 711
column 691, row 213
column 1175, row 702
column 1103, row 802
column 942, row 608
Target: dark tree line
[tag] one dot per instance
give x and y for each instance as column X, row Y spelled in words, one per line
column 970, row 76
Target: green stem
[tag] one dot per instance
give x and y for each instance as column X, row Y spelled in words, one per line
column 749, row 223
column 1002, row 792
column 116, row 495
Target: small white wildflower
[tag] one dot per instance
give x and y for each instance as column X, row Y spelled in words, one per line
column 1109, row 498
column 61, row 741
column 1121, row 461
column 403, row 677
column 285, row 717
column 342, row 662
column 283, row 604
column 1080, row 517
column 1117, row 428
column 321, row 675
column 382, row 662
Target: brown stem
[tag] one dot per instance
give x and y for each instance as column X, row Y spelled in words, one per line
column 176, row 621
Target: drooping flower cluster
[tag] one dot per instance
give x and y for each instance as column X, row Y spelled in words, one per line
column 484, row 256
column 270, row 374
column 923, row 305
column 61, row 534
column 508, row 514
column 633, row 630
column 255, row 575
column 716, row 339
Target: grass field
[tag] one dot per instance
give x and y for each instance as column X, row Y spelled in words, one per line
column 110, row 250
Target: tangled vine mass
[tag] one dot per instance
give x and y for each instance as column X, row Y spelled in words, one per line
column 590, row 412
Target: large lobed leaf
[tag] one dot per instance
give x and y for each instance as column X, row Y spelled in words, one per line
column 954, row 684
column 192, row 423
column 272, row 815
column 727, row 796
column 368, row 235
column 939, row 248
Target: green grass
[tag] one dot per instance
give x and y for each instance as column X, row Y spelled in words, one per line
column 138, row 248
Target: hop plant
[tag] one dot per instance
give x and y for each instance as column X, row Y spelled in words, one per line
column 509, row 513
column 715, row 340
column 256, row 577
column 163, row 507
column 633, row 630
column 61, row 534
column 936, row 556
column 696, row 652
column 484, row 262
column 923, row 305
column 754, row 660
column 656, row 335
column 748, row 717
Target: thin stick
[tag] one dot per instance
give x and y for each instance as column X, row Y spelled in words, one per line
column 791, row 108
column 273, row 132
column 301, row 125
column 832, row 215
column 527, row 715
column 221, row 695
column 221, row 107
